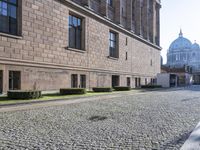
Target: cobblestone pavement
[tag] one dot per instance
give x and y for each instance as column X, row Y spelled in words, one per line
column 152, row 120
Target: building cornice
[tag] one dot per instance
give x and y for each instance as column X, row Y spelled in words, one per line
column 107, row 21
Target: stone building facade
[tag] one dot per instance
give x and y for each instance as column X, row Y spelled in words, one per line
column 52, row 44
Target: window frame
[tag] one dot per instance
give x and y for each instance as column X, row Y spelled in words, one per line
column 77, row 46
column 83, row 81
column 115, row 80
column 12, row 78
column 151, row 62
column 128, row 81
column 1, row 81
column 18, row 25
column 74, row 81
column 113, row 50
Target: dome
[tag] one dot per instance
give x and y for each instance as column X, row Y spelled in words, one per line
column 195, row 46
column 180, row 43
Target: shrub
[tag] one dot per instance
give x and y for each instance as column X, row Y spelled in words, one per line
column 102, row 89
column 122, row 88
column 151, row 86
column 70, row 91
column 20, row 94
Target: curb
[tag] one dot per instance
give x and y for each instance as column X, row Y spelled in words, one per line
column 51, row 100
column 193, row 142
column 79, row 97
column 65, row 99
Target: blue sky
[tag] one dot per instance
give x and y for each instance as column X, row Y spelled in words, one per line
column 176, row 14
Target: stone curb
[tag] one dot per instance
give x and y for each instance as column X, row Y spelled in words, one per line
column 62, row 102
column 51, row 100
column 70, row 98
column 193, row 142
column 81, row 97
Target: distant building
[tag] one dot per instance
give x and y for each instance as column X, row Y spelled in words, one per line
column 177, row 76
column 183, row 53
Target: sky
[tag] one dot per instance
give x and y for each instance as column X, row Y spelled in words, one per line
column 176, row 15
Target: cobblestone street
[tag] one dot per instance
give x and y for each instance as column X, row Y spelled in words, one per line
column 150, row 120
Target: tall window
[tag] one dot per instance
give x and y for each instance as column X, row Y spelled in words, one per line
column 75, row 32
column 128, row 79
column 126, row 55
column 146, row 81
column 82, row 81
column 1, row 81
column 8, row 16
column 74, row 80
column 110, row 2
column 137, row 82
column 14, row 80
column 113, row 44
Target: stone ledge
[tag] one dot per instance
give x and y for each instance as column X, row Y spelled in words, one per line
column 113, row 58
column 75, row 50
column 10, row 35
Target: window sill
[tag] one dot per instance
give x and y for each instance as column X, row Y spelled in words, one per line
column 75, row 50
column 10, row 35
column 113, row 58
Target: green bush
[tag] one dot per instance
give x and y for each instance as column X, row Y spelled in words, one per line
column 151, row 86
column 122, row 88
column 20, row 94
column 70, row 91
column 102, row 89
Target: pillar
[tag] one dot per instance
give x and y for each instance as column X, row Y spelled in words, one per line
column 104, row 8
column 157, row 37
column 145, row 19
column 138, row 17
column 152, row 21
column 86, row 3
column 118, row 14
column 129, row 14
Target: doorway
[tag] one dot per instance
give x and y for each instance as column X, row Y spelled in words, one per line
column 115, row 80
column 173, row 80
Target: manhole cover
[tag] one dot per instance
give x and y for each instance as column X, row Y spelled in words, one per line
column 97, row 118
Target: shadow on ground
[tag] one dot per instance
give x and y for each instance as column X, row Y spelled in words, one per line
column 178, row 140
column 195, row 88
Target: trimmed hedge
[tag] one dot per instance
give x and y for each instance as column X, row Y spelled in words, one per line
column 151, row 86
column 70, row 91
column 122, row 88
column 102, row 89
column 20, row 94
